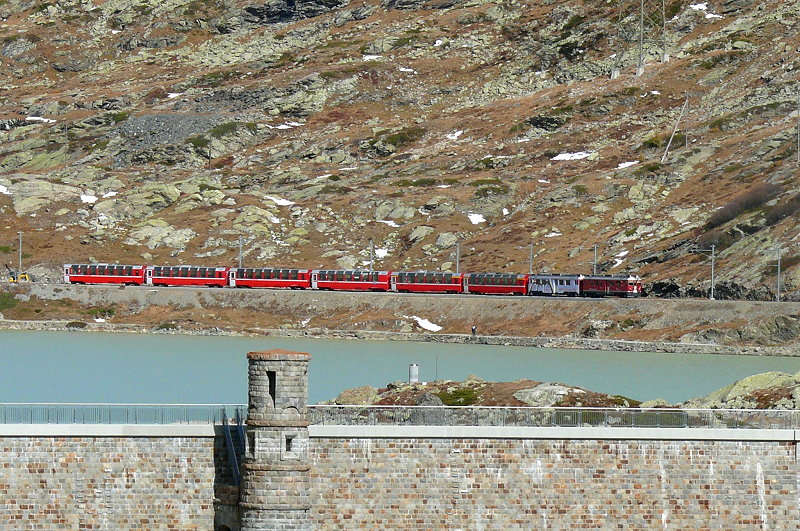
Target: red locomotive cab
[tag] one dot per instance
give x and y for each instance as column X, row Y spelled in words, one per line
column 634, row 286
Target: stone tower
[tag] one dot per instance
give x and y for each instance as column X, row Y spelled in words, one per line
column 275, row 475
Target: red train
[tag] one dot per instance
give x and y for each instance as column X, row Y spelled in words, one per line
column 356, row 280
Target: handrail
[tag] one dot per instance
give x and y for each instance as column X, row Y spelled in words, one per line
column 352, row 415
column 76, row 413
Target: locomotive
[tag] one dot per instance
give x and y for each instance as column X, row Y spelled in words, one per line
column 576, row 285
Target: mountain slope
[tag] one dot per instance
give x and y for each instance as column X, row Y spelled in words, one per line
column 161, row 132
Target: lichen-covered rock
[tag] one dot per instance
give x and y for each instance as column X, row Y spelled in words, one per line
column 544, row 395
column 362, row 396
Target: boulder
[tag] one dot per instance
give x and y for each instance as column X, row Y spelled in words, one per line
column 360, row 396
column 158, row 233
column 446, row 240
column 545, row 394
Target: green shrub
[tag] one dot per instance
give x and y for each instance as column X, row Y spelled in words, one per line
column 580, row 189
column 7, row 301
column 652, row 142
column 224, row 129
column 5, row 249
column 120, row 116
column 77, row 325
column 424, row 181
column 673, row 9
column 405, row 136
column 459, row 397
column 485, row 182
column 101, row 313
column 199, row 142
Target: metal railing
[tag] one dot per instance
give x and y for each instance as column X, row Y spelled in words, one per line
column 538, row 417
column 118, row 413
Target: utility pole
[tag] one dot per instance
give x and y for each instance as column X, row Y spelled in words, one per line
column 19, row 271
column 594, row 262
column 371, row 254
column 778, row 252
column 530, row 262
column 798, row 128
column 240, row 252
column 675, row 129
column 458, row 257
column 713, row 252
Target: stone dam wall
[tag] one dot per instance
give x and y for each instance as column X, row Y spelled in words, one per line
column 424, row 483
column 301, row 476
column 409, row 482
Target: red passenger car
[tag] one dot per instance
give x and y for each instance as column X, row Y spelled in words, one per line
column 104, row 274
column 605, row 285
column 267, row 277
column 186, row 276
column 426, row 282
column 350, row 280
column 497, row 283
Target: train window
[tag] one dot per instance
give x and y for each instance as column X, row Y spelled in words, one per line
column 92, row 270
column 340, row 275
column 293, row 274
column 74, row 270
column 348, row 275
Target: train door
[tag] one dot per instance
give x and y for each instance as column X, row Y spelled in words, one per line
column 466, row 283
column 66, row 274
column 314, row 279
column 393, row 282
column 232, row 278
column 148, row 276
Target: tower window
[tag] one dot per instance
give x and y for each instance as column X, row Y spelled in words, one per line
column 272, row 377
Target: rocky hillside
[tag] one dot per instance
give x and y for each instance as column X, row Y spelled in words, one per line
column 771, row 390
column 162, row 131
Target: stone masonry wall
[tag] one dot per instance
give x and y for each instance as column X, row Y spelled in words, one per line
column 130, row 483
column 552, row 484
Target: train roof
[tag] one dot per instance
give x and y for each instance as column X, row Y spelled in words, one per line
column 352, row 270
column 611, row 277
column 104, row 264
column 190, row 266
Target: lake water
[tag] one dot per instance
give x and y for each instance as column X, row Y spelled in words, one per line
column 136, row 368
